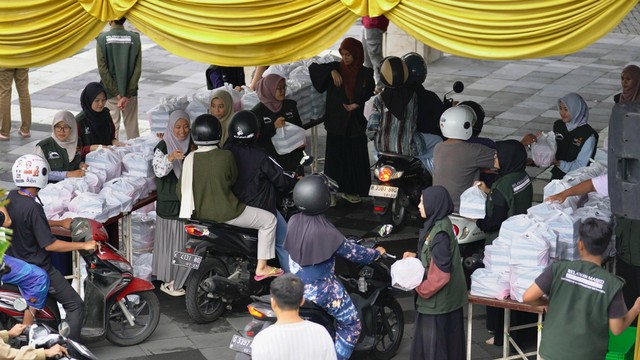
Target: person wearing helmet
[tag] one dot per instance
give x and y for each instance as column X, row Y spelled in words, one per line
column 313, row 243
column 32, row 237
column 400, row 110
column 457, row 163
column 348, row 84
column 488, row 176
column 207, row 177
column 260, row 177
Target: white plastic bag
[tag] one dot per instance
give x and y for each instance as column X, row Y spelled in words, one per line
column 288, row 138
column 407, row 274
column 490, row 284
column 137, row 164
column 472, row 203
column 106, row 159
column 544, row 149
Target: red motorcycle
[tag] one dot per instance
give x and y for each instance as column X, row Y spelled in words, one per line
column 117, row 305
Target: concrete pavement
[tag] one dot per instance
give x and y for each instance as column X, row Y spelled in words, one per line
column 518, row 96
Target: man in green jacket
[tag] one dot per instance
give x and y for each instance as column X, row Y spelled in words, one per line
column 119, row 55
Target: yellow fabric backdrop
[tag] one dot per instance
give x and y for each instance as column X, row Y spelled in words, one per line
column 257, row 32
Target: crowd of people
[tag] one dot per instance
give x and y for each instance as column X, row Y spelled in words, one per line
column 228, row 158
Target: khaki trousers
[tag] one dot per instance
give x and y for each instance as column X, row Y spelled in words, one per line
column 129, row 115
column 21, row 78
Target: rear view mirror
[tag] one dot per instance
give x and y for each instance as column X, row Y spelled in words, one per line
column 20, row 304
column 458, row 87
column 63, row 329
column 385, row 230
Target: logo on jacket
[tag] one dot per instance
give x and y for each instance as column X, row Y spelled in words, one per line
column 577, row 141
column 53, row 155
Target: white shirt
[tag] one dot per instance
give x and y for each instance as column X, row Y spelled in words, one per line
column 601, row 184
column 294, row 341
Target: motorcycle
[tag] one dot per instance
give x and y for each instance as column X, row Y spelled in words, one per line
column 400, row 181
column 117, row 305
column 370, row 289
column 220, row 262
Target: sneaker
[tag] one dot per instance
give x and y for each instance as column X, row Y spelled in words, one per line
column 334, row 201
column 24, row 135
column 352, row 198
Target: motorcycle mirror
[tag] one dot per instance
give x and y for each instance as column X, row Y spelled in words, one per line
column 20, row 304
column 458, row 86
column 306, row 159
column 385, row 230
column 63, row 329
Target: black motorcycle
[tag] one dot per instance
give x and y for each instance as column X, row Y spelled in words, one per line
column 399, row 181
column 370, row 289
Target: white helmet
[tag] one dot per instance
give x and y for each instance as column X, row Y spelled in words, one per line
column 457, row 122
column 30, row 171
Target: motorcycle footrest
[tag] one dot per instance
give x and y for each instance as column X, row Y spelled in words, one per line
column 366, row 343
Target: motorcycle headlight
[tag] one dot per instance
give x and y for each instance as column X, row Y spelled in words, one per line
column 386, row 172
column 122, row 265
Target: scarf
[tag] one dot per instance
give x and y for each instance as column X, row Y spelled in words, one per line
column 632, row 94
column 350, row 72
column 266, row 89
column 228, row 114
column 397, row 99
column 172, row 141
column 98, row 122
column 187, row 203
column 578, row 110
column 71, row 144
column 437, row 205
column 512, row 156
column 311, row 239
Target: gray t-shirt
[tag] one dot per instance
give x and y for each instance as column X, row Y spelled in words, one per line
column 457, row 165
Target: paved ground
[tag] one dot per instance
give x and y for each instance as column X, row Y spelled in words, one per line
column 519, row 97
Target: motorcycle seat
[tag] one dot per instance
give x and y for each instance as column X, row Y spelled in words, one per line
column 223, row 226
column 394, row 155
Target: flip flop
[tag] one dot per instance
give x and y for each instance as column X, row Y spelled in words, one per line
column 274, row 272
column 168, row 289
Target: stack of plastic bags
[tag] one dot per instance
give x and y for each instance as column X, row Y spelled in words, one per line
column 143, row 233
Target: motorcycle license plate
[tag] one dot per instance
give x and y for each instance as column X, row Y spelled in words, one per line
column 383, row 191
column 186, row 260
column 241, row 344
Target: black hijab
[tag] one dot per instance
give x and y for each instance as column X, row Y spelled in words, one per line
column 98, row 122
column 311, row 239
column 397, row 99
column 437, row 205
column 512, row 156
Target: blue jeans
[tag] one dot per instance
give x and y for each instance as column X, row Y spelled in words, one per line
column 431, row 141
column 281, row 232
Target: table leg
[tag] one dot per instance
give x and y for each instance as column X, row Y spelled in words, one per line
column 505, row 333
column 469, row 330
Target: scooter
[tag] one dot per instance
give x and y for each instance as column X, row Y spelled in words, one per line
column 220, row 262
column 400, row 181
column 117, row 305
column 370, row 289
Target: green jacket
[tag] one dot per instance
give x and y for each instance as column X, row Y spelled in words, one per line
column 168, row 203
column 517, row 190
column 57, row 156
column 454, row 294
column 119, row 55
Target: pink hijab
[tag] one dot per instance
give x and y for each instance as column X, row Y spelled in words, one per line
column 266, row 89
column 632, row 94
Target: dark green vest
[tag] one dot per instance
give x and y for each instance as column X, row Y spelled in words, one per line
column 577, row 323
column 57, row 156
column 627, row 244
column 168, row 203
column 454, row 294
column 517, row 190
column 570, row 143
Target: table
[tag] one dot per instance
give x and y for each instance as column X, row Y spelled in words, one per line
column 507, row 305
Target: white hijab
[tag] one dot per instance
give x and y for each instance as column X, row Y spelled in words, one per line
column 187, row 203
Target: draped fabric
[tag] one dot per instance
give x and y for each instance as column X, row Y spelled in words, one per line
column 257, row 32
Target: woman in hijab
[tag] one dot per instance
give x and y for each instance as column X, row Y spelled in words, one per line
column 95, row 127
column 60, row 150
column 348, row 85
column 575, row 139
column 273, row 111
column 313, row 244
column 221, row 106
column 630, row 81
column 439, row 328
column 169, row 234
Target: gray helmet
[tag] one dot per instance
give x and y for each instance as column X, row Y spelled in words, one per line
column 206, row 130
column 311, row 195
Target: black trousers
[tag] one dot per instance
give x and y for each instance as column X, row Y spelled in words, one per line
column 63, row 292
column 631, row 276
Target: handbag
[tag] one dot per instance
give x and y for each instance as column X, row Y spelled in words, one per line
column 288, row 138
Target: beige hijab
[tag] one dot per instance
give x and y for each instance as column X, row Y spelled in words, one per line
column 71, row 144
column 228, row 106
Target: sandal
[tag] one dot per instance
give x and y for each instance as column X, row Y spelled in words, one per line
column 168, row 289
column 24, row 134
column 490, row 341
column 274, row 272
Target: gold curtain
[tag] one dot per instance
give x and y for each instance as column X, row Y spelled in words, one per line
column 259, row 32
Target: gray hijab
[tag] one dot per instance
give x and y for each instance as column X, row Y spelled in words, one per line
column 174, row 143
column 577, row 108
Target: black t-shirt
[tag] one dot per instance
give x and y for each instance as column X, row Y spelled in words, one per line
column 31, row 231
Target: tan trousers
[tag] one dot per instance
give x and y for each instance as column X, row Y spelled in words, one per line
column 265, row 222
column 129, row 115
column 21, row 78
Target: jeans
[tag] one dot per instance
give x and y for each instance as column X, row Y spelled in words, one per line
column 281, row 232
column 431, row 141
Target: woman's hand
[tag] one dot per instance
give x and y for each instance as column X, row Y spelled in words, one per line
column 176, row 155
column 75, row 173
column 117, row 143
column 280, row 122
column 337, row 78
column 409, row 254
column 381, row 250
column 557, row 198
column 529, row 139
column 482, row 186
column 350, row 107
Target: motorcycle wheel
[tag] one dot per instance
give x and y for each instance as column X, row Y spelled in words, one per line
column 389, row 329
column 395, row 215
column 202, row 308
column 146, row 312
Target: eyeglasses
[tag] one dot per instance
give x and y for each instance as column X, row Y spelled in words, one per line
column 62, row 128
column 281, row 88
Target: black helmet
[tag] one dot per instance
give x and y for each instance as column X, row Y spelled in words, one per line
column 311, row 195
column 206, row 130
column 477, row 108
column 417, row 68
column 244, row 127
column 393, row 72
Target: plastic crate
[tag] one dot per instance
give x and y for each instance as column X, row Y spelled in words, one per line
column 621, row 346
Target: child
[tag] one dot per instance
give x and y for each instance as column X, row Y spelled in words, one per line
column 585, row 300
